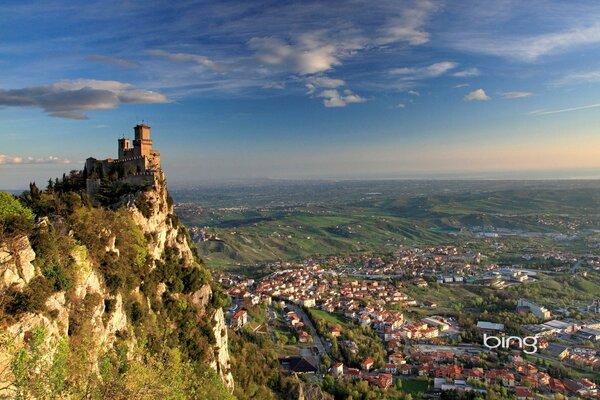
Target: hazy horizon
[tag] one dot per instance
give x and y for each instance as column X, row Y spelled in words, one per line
column 516, row 176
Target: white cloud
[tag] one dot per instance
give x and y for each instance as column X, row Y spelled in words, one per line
column 431, row 71
column 467, row 73
column 326, row 82
column 314, row 82
column 516, row 95
column 579, row 77
column 477, row 95
column 66, row 99
column 274, row 85
column 414, row 92
column 461, row 85
column 333, row 98
column 408, row 27
column 12, row 160
column 528, row 48
column 545, row 112
column 188, row 57
column 400, row 105
column 309, row 54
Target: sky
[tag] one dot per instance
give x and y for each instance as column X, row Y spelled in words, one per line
column 303, row 89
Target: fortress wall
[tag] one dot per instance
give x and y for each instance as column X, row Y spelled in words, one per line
column 140, row 180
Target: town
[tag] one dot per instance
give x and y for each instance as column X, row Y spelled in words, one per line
column 391, row 320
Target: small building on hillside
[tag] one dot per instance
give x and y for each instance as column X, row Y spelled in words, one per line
column 239, row 319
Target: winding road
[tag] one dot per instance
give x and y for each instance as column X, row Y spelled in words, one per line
column 308, row 323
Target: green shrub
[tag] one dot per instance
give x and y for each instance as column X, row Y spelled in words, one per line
column 14, row 217
column 10, row 207
column 31, row 299
column 144, row 205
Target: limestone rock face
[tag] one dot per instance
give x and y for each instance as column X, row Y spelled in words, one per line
column 158, row 223
column 16, row 256
column 154, row 215
column 222, row 363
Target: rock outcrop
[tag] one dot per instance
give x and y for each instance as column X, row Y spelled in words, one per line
column 88, row 299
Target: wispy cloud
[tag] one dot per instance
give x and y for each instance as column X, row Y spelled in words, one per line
column 333, row 98
column 414, row 93
column 516, row 95
column 467, row 73
column 563, row 110
column 66, row 99
column 477, row 95
column 188, row 57
column 578, row 77
column 119, row 62
column 527, row 48
column 17, row 160
column 409, row 25
column 418, row 73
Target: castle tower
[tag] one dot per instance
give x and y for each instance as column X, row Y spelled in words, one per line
column 124, row 148
column 142, row 145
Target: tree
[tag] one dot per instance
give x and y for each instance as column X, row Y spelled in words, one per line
column 14, row 217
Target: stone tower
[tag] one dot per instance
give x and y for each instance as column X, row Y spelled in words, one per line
column 124, row 148
column 142, row 145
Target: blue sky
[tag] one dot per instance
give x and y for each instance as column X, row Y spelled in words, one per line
column 328, row 89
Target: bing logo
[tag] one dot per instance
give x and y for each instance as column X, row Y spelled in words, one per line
column 529, row 344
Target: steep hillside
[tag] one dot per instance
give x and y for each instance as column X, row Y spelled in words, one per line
column 106, row 300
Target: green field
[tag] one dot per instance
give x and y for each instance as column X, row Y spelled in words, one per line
column 415, row 386
column 331, row 319
column 292, row 221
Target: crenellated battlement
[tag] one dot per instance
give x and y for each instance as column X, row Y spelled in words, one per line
column 135, row 165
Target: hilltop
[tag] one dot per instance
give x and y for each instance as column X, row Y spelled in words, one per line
column 101, row 295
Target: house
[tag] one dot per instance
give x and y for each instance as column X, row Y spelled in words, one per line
column 365, row 320
column 303, row 337
column 239, row 319
column 336, row 332
column 396, row 358
column 573, row 387
column 367, row 364
column 524, row 393
column 500, row 376
column 406, row 369
column 384, row 381
column 389, row 368
column 352, row 373
column 337, row 369
column 308, row 303
column 557, row 386
column 590, row 387
column 451, row 371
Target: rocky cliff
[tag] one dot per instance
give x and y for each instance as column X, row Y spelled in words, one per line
column 121, row 274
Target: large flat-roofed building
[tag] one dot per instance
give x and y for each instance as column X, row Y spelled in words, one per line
column 490, row 327
column 588, row 334
column 537, row 310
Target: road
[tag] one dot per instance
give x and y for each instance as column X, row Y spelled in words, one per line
column 575, row 266
column 307, row 322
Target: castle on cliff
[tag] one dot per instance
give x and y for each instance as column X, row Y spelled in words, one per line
column 137, row 166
